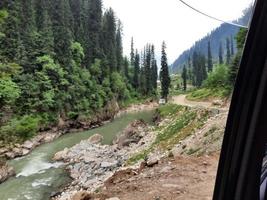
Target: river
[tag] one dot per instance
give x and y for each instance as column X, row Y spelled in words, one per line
column 38, row 177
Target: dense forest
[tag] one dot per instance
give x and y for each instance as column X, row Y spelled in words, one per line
column 209, row 79
column 217, row 39
column 64, row 59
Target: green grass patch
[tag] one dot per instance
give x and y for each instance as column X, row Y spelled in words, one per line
column 193, row 151
column 139, row 156
column 181, row 128
column 184, row 122
column 207, row 94
column 170, row 131
column 169, row 109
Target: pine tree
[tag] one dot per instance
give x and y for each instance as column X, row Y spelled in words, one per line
column 199, row 69
column 148, row 70
column 190, row 71
column 154, row 69
column 109, row 38
column 164, row 74
column 62, row 34
column 204, row 74
column 119, row 48
column 76, row 9
column 228, row 51
column 93, row 31
column 132, row 52
column 126, row 68
column 232, row 46
column 136, row 79
column 11, row 43
column 220, row 54
column 142, row 73
column 44, row 27
column 28, row 36
column 210, row 65
column 184, row 77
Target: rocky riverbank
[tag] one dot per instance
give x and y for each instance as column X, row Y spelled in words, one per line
column 180, row 152
column 104, row 116
column 108, row 113
column 6, row 172
column 90, row 164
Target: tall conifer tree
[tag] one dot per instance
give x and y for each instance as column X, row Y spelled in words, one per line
column 93, row 31
column 154, row 69
column 109, row 38
column 210, row 65
column 232, row 46
column 184, row 77
column 164, row 73
column 132, row 52
column 220, row 54
column 228, row 51
column 136, row 77
column 119, row 48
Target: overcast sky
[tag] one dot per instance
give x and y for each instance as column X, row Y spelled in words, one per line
column 156, row 20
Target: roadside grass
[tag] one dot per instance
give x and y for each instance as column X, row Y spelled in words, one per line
column 208, row 94
column 184, row 121
column 169, row 109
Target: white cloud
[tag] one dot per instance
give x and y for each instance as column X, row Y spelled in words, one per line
column 156, row 20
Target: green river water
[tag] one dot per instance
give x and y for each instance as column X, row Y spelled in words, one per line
column 37, row 176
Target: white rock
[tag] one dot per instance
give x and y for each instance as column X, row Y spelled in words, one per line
column 152, row 161
column 61, row 155
column 108, row 164
column 28, row 145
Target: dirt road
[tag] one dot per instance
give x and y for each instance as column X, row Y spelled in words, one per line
column 181, row 100
column 180, row 178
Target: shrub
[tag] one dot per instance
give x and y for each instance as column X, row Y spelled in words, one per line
column 218, row 78
column 24, row 127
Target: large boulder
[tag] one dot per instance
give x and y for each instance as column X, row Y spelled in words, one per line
column 61, row 155
column 95, row 139
column 6, row 172
column 28, row 145
column 10, row 155
column 152, row 160
column 132, row 134
column 3, row 151
column 109, row 165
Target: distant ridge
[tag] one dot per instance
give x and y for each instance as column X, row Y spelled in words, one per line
column 216, row 37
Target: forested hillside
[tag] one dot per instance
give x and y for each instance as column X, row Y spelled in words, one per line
column 218, row 42
column 64, row 59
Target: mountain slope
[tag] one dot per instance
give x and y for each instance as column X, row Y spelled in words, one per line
column 216, row 37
